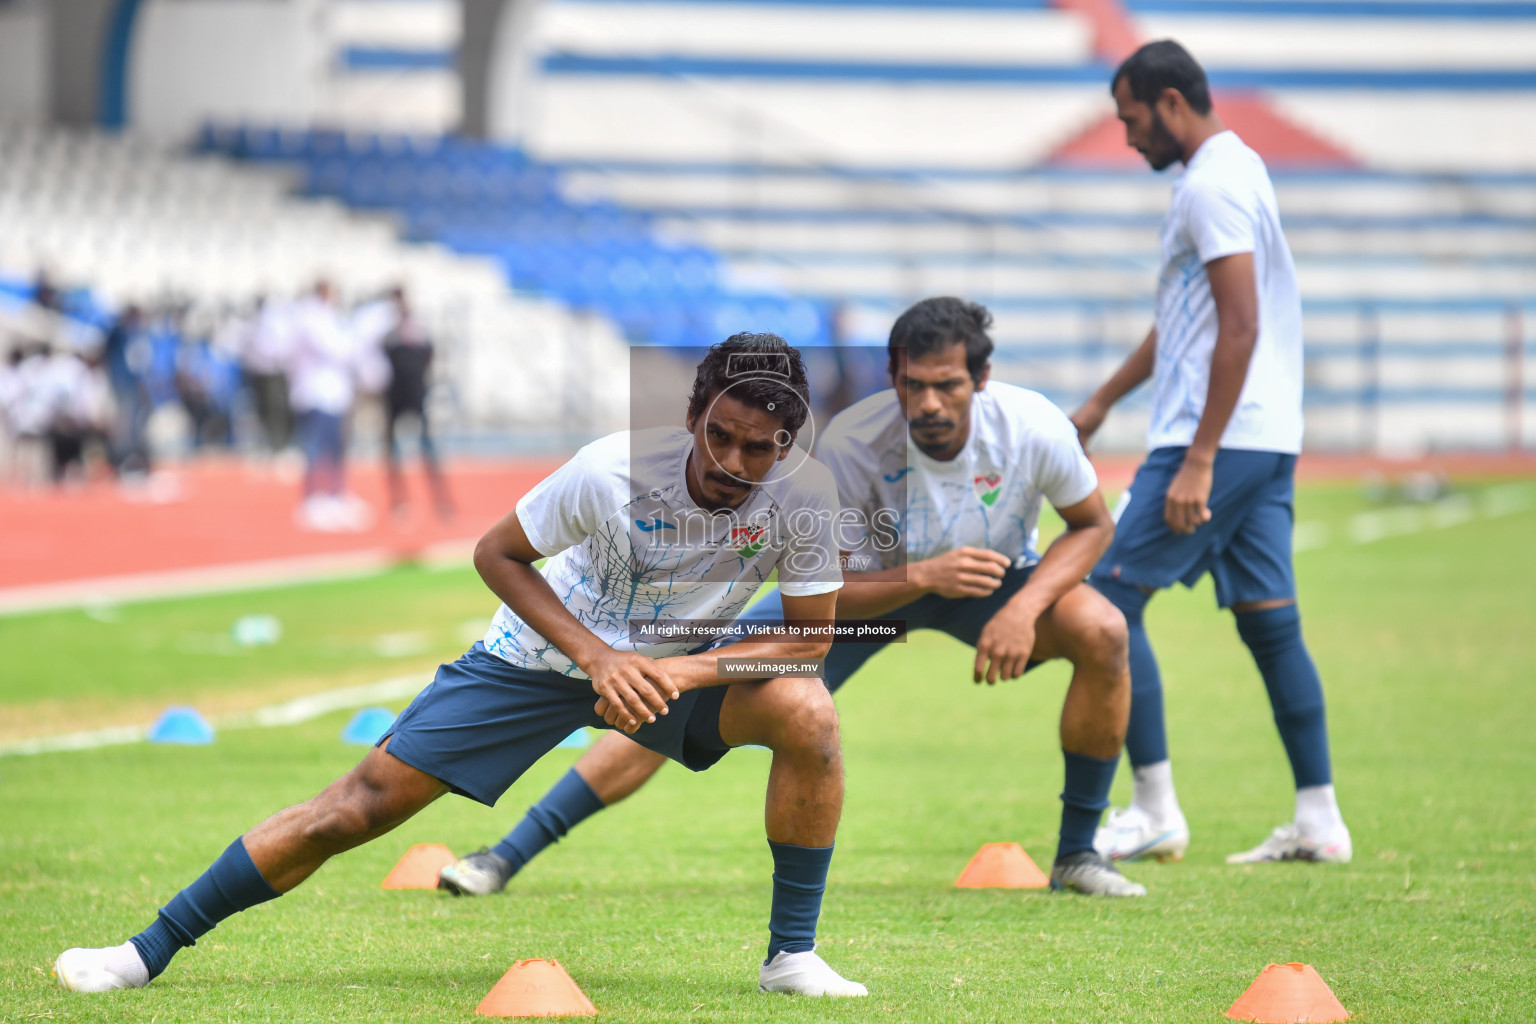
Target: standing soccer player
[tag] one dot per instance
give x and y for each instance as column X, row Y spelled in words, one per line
column 656, row 526
column 943, row 477
column 1215, row 492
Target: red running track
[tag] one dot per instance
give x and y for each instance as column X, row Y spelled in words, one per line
column 228, row 513
column 233, row 522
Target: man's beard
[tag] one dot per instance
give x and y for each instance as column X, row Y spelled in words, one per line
column 1163, row 150
column 931, row 448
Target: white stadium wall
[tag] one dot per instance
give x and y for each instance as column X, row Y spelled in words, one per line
column 23, row 62
column 193, row 60
column 282, row 62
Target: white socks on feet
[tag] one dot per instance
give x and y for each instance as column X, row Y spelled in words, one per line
column 125, row 962
column 1317, row 813
column 1153, row 793
column 1317, row 809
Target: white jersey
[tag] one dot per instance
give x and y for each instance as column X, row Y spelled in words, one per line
column 1222, row 205
column 322, row 362
column 1021, row 449
column 626, row 544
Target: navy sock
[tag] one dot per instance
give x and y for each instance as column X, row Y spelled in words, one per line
column 568, row 803
column 1146, row 737
column 231, row 885
column 1273, row 637
column 1083, row 799
column 799, row 879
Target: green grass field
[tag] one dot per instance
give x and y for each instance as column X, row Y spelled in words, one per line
column 658, row 908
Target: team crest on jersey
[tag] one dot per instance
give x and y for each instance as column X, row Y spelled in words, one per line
column 988, row 488
column 748, row 540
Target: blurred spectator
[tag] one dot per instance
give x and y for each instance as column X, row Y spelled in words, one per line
column 127, row 356
column 206, row 381
column 10, row 399
column 30, row 413
column 265, row 356
column 409, row 351
column 44, row 293
column 70, row 405
column 321, row 389
column 371, row 323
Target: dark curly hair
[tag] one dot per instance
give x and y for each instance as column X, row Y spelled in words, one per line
column 1161, row 65
column 761, row 370
column 938, row 323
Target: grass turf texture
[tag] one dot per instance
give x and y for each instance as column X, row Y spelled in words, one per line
column 658, row 907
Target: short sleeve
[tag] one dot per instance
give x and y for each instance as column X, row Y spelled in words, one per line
column 854, row 490
column 1064, row 474
column 563, row 509
column 810, row 563
column 1219, row 225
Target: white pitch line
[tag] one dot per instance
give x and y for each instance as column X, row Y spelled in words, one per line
column 110, row 737
column 302, row 709
column 289, row 712
column 1310, row 534
column 1455, row 510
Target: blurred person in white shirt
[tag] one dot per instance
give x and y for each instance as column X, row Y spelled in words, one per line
column 10, row 397
column 71, row 401
column 322, row 370
column 265, row 351
column 28, row 411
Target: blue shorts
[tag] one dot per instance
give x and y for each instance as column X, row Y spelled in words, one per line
column 1246, row 547
column 961, row 617
column 482, row 723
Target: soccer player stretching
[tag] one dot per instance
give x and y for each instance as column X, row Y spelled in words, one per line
column 1214, row 494
column 644, row 526
column 951, row 471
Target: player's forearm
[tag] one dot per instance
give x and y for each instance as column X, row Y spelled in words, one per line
column 1067, row 562
column 523, row 589
column 1136, row 369
column 867, row 595
column 696, row 671
column 1229, row 371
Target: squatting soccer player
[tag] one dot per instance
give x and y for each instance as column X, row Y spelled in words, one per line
column 1214, row 494
column 957, row 467
column 640, row 526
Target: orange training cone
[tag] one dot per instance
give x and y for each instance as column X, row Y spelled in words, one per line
column 419, row 867
column 1002, row 866
column 536, row 988
column 1288, row 994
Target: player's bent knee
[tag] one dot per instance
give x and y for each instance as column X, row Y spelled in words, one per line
column 805, row 718
column 1102, row 640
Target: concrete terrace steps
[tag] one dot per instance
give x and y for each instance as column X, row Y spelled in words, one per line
column 996, row 85
column 1354, row 283
column 1341, row 195
column 1132, row 245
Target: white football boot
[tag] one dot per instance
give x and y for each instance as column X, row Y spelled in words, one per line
column 100, row 970
column 1287, row 843
column 1091, row 874
column 1131, row 834
column 805, row 974
column 478, row 874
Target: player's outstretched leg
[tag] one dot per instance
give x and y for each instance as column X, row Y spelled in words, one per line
column 796, row 720
column 1153, row 825
column 1086, row 629
column 1272, row 632
column 265, row 863
column 614, row 768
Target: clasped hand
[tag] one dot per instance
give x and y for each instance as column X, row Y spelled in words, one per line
column 631, row 689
